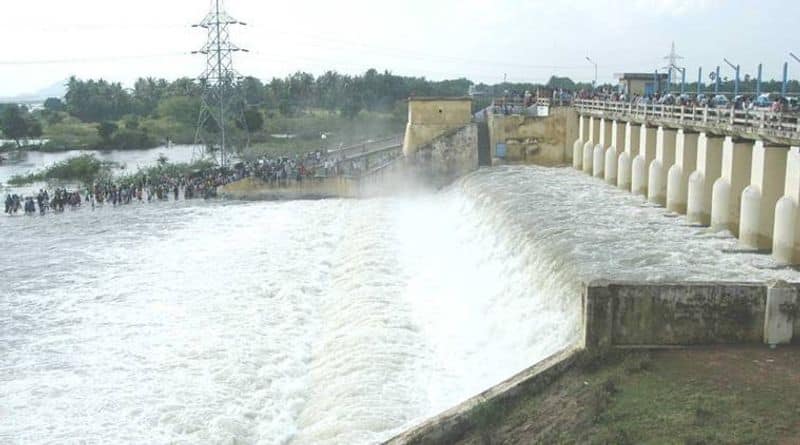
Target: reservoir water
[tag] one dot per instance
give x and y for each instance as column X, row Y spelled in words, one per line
column 314, row 322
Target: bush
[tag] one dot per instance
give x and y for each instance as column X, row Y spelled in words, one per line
column 83, row 168
column 125, row 139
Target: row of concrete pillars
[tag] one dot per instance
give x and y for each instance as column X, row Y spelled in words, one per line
column 750, row 188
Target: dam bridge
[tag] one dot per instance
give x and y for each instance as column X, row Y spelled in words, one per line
column 728, row 169
column 736, row 170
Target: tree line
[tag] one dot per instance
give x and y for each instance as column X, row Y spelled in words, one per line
column 98, row 113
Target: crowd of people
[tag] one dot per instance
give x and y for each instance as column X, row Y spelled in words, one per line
column 276, row 171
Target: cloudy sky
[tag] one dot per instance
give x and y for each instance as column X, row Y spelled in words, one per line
column 46, row 41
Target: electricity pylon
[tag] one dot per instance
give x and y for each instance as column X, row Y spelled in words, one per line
column 221, row 124
column 672, row 61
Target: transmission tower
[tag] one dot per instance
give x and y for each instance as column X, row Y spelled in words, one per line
column 221, row 124
column 672, row 61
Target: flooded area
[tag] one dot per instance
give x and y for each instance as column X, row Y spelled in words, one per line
column 313, row 322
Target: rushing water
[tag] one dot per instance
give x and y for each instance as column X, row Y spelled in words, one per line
column 324, row 322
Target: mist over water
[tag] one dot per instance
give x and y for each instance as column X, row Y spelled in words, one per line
column 324, row 322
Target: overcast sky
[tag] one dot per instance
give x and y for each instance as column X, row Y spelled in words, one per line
column 46, row 41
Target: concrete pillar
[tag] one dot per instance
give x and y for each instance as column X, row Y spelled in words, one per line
column 685, row 165
column 701, row 182
column 665, row 158
column 726, row 197
column 572, row 132
column 588, row 147
column 778, row 325
column 767, row 184
column 647, row 152
column 786, row 234
column 625, row 161
column 612, row 152
column 577, row 147
column 599, row 155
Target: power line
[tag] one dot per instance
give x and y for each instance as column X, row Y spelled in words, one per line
column 220, row 95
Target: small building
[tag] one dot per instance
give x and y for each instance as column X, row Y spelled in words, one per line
column 643, row 84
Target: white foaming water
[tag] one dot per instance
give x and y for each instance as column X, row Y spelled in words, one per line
column 330, row 322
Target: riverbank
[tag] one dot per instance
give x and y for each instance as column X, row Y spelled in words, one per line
column 742, row 394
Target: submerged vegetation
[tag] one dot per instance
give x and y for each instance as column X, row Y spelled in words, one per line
column 86, row 169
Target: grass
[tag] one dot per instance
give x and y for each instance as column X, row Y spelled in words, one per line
column 729, row 395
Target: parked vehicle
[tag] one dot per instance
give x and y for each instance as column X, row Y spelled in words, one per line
column 762, row 102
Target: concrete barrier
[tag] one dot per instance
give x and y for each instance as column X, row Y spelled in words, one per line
column 451, row 425
column 643, row 314
column 678, row 314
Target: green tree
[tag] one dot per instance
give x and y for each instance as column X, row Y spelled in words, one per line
column 183, row 109
column 15, row 123
column 254, row 120
column 106, row 131
column 54, row 104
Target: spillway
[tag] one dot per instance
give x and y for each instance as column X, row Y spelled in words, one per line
column 324, row 322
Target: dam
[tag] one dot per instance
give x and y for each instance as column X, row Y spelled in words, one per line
column 340, row 320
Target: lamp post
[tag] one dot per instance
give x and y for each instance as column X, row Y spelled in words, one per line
column 758, row 81
column 683, row 77
column 785, row 78
column 736, row 81
column 699, row 80
column 594, row 84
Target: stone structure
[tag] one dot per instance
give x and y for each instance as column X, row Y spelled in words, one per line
column 447, row 157
column 431, row 117
column 530, row 139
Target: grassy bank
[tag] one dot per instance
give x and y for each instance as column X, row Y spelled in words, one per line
column 692, row 396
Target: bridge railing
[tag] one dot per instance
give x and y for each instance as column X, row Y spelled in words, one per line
column 366, row 148
column 784, row 125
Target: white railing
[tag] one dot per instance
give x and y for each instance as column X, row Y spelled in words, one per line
column 768, row 123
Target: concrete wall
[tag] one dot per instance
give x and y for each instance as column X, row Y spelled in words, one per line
column 453, row 424
column 572, row 130
column 448, row 157
column 628, row 314
column 659, row 314
column 252, row 189
column 533, row 140
column 429, row 118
